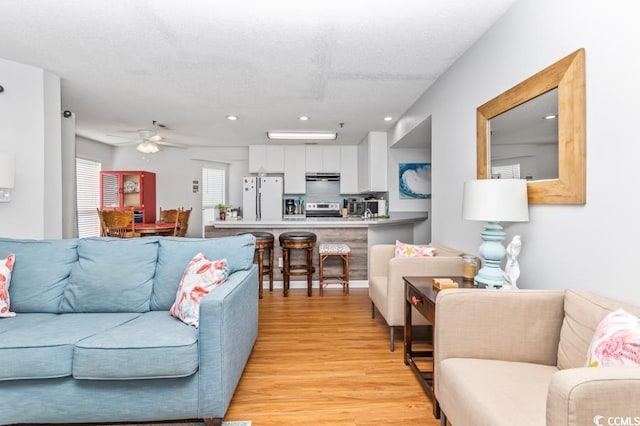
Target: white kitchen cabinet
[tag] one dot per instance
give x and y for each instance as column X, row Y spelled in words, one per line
column 372, row 163
column 313, row 158
column 266, row 158
column 349, row 169
column 331, row 159
column 294, row 169
column 322, row 159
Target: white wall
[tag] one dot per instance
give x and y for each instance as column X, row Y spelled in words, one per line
column 563, row 246
column 68, row 163
column 96, row 151
column 30, row 129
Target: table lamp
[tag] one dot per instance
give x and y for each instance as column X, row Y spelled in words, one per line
column 494, row 201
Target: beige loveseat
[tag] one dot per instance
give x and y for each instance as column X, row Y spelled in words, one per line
column 386, row 286
column 516, row 357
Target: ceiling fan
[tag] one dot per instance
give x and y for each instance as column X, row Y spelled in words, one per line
column 149, row 140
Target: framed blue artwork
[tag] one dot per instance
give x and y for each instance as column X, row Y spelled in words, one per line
column 414, row 180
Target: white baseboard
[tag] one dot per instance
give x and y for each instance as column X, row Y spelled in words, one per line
column 315, row 284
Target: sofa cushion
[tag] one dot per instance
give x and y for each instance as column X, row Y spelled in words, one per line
column 175, row 253
column 413, row 250
column 200, row 277
column 583, row 311
column 616, row 342
column 154, row 345
column 40, row 346
column 485, row 392
column 6, row 266
column 111, row 275
column 41, row 272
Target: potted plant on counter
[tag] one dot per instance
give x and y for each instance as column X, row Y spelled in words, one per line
column 222, row 208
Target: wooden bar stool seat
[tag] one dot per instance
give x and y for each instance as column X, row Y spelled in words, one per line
column 264, row 241
column 292, row 241
column 327, row 250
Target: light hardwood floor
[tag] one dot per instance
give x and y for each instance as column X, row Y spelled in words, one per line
column 324, row 361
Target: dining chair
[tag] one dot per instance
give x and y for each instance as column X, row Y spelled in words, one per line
column 183, row 222
column 119, row 224
column 170, row 216
column 103, row 227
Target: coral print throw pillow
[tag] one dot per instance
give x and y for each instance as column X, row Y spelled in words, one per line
column 616, row 341
column 200, row 276
column 6, row 266
column 412, row 250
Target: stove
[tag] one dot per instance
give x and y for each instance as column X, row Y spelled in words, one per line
column 322, row 209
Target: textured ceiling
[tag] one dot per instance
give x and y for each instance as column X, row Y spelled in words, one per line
column 188, row 64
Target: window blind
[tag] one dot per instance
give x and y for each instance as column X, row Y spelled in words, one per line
column 213, row 187
column 88, row 197
column 510, row 171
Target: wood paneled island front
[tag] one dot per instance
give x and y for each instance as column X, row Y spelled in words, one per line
column 359, row 234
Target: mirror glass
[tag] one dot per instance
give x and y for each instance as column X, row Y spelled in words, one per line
column 515, row 139
column 524, row 140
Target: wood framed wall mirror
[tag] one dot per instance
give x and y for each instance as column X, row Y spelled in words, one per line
column 517, row 133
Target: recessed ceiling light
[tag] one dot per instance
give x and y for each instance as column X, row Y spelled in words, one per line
column 550, row 116
column 303, row 118
column 302, row 135
column 388, row 118
column 232, row 117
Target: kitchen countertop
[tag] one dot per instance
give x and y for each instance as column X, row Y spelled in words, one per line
column 324, row 222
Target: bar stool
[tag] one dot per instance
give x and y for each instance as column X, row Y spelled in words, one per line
column 297, row 240
column 325, row 251
column 264, row 240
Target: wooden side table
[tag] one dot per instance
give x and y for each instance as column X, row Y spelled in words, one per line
column 420, row 294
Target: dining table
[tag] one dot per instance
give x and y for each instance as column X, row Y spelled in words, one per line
column 156, row 228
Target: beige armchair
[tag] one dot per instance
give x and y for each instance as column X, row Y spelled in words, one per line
column 386, row 286
column 517, row 357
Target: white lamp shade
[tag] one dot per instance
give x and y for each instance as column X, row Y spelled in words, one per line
column 496, row 200
column 7, row 170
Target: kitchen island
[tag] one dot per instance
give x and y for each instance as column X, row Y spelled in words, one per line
column 360, row 234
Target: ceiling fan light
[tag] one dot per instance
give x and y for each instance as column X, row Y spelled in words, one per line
column 303, row 135
column 147, row 147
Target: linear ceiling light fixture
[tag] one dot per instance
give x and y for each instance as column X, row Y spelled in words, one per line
column 303, row 135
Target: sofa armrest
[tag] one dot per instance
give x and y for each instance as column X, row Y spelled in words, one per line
column 588, row 396
column 226, row 336
column 379, row 257
column 508, row 325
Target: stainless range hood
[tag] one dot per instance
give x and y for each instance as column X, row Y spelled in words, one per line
column 323, row 177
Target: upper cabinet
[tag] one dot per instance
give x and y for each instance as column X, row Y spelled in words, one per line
column 266, row 158
column 372, row 163
column 322, row 159
column 349, row 169
column 294, row 170
column 362, row 168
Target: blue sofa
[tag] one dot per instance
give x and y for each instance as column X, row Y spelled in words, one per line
column 93, row 340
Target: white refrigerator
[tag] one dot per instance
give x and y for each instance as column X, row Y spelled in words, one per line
column 262, row 198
